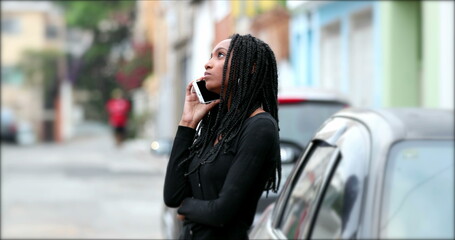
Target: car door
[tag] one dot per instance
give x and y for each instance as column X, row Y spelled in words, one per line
column 310, row 204
column 298, row 199
column 339, row 211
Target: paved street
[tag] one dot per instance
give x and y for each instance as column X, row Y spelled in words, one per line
column 85, row 188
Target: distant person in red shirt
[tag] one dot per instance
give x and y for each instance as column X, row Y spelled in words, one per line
column 117, row 108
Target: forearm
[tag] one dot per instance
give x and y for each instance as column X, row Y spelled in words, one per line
column 218, row 212
column 176, row 186
column 205, row 212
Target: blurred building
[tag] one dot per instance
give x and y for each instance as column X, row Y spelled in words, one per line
column 28, row 25
column 162, row 25
column 269, row 21
column 149, row 30
column 380, row 53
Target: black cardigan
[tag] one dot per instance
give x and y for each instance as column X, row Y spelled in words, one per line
column 220, row 199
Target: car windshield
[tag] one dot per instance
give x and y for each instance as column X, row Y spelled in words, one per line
column 418, row 200
column 300, row 121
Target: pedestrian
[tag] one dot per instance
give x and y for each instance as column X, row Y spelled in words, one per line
column 226, row 153
column 118, row 108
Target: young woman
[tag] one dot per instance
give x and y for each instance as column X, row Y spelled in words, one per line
column 226, row 153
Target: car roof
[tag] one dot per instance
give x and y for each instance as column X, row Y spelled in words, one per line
column 312, row 94
column 406, row 123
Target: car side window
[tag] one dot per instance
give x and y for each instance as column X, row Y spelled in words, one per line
column 340, row 199
column 305, row 190
column 339, row 213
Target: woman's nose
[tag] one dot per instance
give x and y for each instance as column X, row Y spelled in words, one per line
column 208, row 65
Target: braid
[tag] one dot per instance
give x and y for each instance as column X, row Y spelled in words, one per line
column 252, row 83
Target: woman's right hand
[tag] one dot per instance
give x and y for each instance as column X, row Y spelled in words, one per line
column 193, row 110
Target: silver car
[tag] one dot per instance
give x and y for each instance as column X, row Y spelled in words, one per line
column 370, row 174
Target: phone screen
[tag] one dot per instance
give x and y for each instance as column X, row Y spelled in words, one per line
column 206, row 94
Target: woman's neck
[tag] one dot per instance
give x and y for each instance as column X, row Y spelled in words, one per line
column 257, row 111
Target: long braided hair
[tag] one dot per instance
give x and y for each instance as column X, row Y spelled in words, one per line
column 252, row 83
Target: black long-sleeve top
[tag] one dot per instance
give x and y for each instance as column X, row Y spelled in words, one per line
column 219, row 200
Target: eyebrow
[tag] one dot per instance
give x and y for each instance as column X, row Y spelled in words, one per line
column 220, row 48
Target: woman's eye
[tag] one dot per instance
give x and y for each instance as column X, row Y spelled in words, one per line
column 220, row 54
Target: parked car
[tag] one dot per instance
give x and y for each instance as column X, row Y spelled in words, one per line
column 370, row 174
column 301, row 112
column 9, row 125
column 14, row 129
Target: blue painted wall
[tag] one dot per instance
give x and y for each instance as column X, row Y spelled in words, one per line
column 305, row 43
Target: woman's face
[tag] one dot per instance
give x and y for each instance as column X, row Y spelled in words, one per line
column 214, row 67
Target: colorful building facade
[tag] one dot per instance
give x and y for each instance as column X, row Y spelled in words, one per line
column 28, row 25
column 380, row 53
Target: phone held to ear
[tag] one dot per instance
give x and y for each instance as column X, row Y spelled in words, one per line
column 205, row 96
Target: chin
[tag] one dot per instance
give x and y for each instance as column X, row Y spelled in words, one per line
column 211, row 88
column 215, row 90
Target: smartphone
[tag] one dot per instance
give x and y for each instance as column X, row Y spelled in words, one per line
column 204, row 95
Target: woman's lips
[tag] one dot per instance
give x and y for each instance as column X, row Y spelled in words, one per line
column 206, row 75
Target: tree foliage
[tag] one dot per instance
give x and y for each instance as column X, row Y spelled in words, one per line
column 110, row 23
column 87, row 14
column 42, row 69
column 131, row 73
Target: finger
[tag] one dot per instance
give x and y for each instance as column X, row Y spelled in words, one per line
column 189, row 87
column 213, row 104
column 196, row 80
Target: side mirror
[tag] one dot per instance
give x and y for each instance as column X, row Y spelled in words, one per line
column 290, row 151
